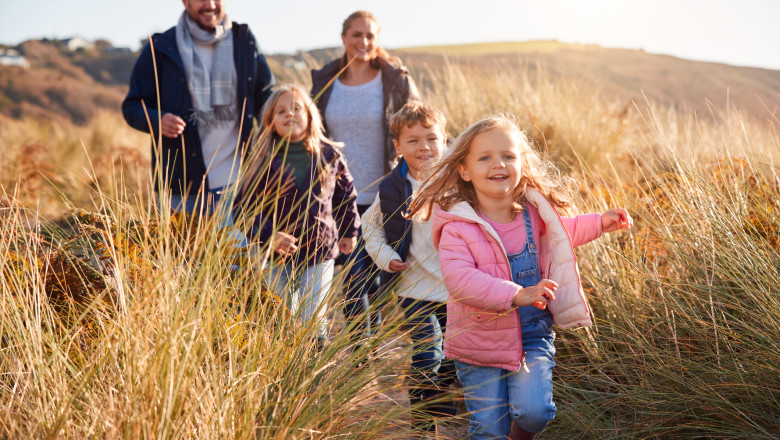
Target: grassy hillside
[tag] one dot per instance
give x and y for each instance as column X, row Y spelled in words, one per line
column 63, row 85
column 74, row 85
column 635, row 75
column 497, row 48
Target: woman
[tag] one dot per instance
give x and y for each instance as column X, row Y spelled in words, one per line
column 356, row 95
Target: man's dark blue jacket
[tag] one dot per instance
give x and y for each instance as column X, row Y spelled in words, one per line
column 181, row 158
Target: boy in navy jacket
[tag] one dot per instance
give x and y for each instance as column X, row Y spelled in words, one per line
column 410, row 265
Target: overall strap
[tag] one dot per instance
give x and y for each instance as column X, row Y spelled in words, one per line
column 529, row 232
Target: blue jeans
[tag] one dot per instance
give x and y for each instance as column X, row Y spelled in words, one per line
column 493, row 395
column 361, row 289
column 430, row 372
column 304, row 289
column 194, row 204
column 426, row 319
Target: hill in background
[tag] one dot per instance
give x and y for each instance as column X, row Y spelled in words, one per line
column 630, row 74
column 65, row 84
column 74, row 85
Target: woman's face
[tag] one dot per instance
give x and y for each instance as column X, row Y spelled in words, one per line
column 360, row 40
column 289, row 116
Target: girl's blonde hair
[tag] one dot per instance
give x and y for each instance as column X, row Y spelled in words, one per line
column 270, row 142
column 380, row 52
column 446, row 187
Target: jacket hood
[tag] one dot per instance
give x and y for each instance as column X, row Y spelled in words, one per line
column 461, row 212
column 166, row 43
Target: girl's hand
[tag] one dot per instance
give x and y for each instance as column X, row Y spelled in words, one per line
column 538, row 295
column 284, row 244
column 347, row 245
column 398, row 265
column 615, row 219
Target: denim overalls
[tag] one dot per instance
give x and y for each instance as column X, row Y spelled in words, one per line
column 535, row 324
column 528, row 392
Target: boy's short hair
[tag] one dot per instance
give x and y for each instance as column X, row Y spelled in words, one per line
column 416, row 112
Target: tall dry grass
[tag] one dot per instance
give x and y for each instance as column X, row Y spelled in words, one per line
column 125, row 323
column 53, row 165
column 132, row 325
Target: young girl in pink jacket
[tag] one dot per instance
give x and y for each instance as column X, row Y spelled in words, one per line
column 508, row 263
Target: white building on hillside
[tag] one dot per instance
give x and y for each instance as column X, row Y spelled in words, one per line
column 76, row 43
column 11, row 57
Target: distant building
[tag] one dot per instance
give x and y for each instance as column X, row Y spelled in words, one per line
column 294, row 64
column 120, row 50
column 75, row 43
column 12, row 57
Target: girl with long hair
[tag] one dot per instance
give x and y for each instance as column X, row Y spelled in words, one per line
column 508, row 263
column 297, row 200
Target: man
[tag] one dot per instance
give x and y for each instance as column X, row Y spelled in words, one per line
column 213, row 80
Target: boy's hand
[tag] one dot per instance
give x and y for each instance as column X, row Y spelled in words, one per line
column 615, row 219
column 284, row 244
column 347, row 245
column 538, row 295
column 398, row 265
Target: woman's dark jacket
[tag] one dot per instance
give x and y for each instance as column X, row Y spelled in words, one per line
column 272, row 201
column 182, row 160
column 397, row 87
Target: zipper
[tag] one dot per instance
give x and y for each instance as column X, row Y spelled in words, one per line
column 523, row 364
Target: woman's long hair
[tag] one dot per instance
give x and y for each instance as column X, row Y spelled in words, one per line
column 270, row 143
column 380, row 52
column 446, row 187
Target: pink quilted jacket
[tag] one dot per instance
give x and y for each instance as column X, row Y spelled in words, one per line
column 482, row 325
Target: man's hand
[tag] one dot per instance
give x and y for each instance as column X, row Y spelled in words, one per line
column 172, row 125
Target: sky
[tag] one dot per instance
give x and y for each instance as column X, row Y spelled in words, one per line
column 737, row 32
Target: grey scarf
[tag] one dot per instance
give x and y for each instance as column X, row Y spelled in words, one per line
column 213, row 88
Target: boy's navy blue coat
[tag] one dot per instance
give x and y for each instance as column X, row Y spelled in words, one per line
column 318, row 222
column 181, row 160
column 395, row 194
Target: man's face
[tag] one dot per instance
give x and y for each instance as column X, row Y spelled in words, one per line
column 207, row 14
